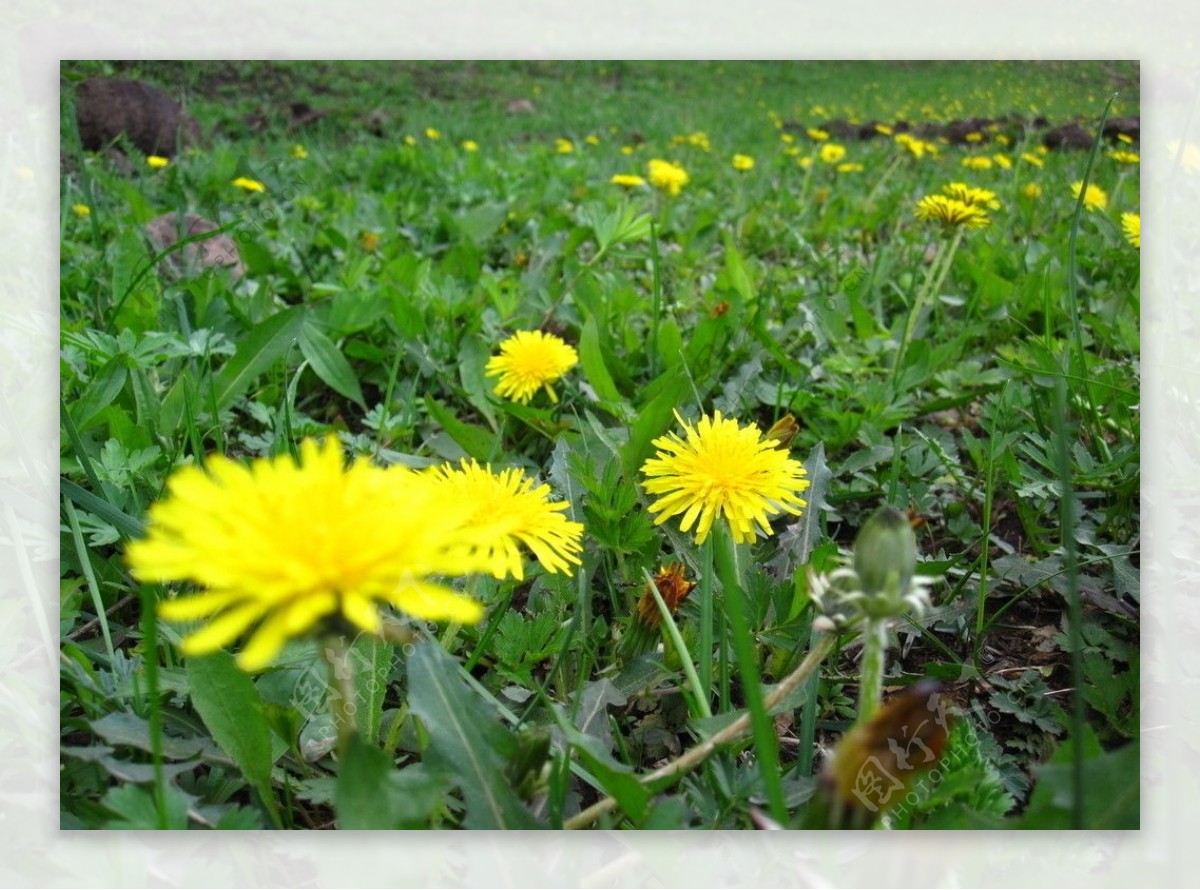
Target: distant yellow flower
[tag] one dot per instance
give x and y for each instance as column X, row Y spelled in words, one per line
column 969, row 194
column 699, row 139
column 977, row 162
column 528, row 362
column 299, row 152
column 850, row 167
column 951, row 212
column 1125, row 157
column 156, row 162
column 719, row 469
column 410, row 140
column 831, row 152
column 918, row 148
column 431, row 133
column 816, row 134
column 509, row 509
column 1031, row 158
column 563, row 146
column 1002, row 139
column 627, row 149
column 883, row 129
column 470, row 145
column 1093, row 199
column 1002, row 161
column 670, row 178
column 787, row 138
column 805, row 161
column 592, row 140
column 743, row 162
column 81, row 210
column 286, row 546
column 974, row 137
column 1131, row 225
column 629, row 180
column 250, row 185
column 369, row 241
column 1032, row 190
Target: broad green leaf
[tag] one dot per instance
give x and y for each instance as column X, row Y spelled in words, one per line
column 1111, row 791
column 465, row 738
column 264, row 344
column 652, row 421
column 329, row 363
column 477, row 441
column 735, row 269
column 372, row 658
column 592, row 360
column 361, row 800
column 479, row 224
column 134, row 808
column 227, row 702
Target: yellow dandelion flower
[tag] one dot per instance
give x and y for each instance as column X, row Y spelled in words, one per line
column 410, row 140
column 530, row 361
column 805, row 162
column 250, row 185
column 470, row 145
column 299, row 152
column 670, row 178
column 156, row 162
column 508, row 509
column 883, row 129
column 742, row 162
column 1002, row 161
column 850, row 167
column 787, row 138
column 629, row 180
column 720, row 469
column 1032, row 190
column 627, row 149
column 1002, row 139
column 951, row 212
column 977, row 162
column 81, row 210
column 831, row 152
column 699, row 139
column 1031, row 158
column 284, row 547
column 1125, row 157
column 1131, row 225
column 1093, row 199
column 969, row 194
column 433, row 134
column 816, row 134
column 974, row 137
column 563, row 146
column 592, row 140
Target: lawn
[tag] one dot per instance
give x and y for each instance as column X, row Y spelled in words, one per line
column 614, row 444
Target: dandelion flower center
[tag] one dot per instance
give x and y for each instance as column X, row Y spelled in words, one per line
column 720, row 469
column 530, row 361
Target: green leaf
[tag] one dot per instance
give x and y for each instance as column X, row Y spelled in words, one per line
column 465, row 738
column 1111, row 791
column 102, row 509
column 133, row 806
column 372, row 658
column 478, row 442
column 592, row 360
column 264, row 344
column 652, row 421
column 227, row 702
column 479, row 224
column 329, row 363
column 735, row 270
column 360, row 801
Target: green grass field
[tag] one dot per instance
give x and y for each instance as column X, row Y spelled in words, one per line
column 966, row 359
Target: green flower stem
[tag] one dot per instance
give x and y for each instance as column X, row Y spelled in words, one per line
column 706, row 619
column 765, row 742
column 870, row 684
column 685, row 658
column 933, row 282
column 336, row 653
column 692, row 757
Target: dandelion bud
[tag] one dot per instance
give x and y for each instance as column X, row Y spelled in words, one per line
column 885, row 554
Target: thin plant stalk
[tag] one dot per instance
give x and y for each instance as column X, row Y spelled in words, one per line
column 336, row 653
column 685, row 658
column 874, row 660
column 706, row 618
column 933, row 282
column 765, row 741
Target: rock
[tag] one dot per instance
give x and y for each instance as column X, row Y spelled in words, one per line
column 216, row 252
column 1068, row 136
column 107, row 108
column 1124, row 126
